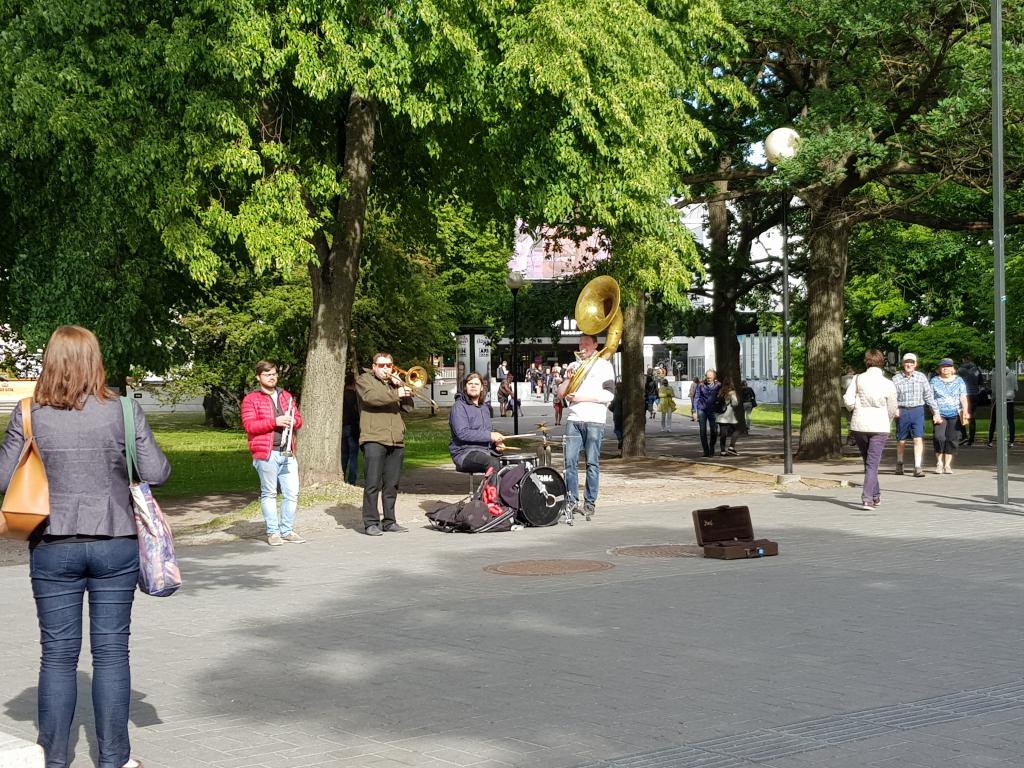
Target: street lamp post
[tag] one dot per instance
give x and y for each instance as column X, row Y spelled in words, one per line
column 515, row 281
column 999, row 254
column 782, row 144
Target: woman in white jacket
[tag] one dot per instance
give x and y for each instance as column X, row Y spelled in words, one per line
column 871, row 400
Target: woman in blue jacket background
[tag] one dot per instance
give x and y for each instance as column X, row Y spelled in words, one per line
column 474, row 446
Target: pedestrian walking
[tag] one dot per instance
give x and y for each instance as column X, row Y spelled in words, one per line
column 1011, row 394
column 971, row 375
column 728, row 419
column 913, row 392
column 704, row 399
column 666, row 405
column 350, row 431
column 871, row 400
column 951, row 395
column 88, row 545
column 651, row 394
column 749, row 400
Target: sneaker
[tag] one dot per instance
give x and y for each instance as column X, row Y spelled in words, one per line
column 918, row 472
column 938, row 467
column 589, row 510
column 132, row 763
column 723, row 453
column 1009, row 445
column 947, row 470
column 732, row 451
column 989, row 443
column 868, row 505
column 274, row 540
column 293, row 538
column 899, row 467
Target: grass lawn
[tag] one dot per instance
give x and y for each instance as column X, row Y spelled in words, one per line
column 207, row 461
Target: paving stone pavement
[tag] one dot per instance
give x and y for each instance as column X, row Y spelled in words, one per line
column 875, row 638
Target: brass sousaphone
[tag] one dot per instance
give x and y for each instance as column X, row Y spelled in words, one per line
column 597, row 311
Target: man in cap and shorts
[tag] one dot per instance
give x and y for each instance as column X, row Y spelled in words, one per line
column 912, row 393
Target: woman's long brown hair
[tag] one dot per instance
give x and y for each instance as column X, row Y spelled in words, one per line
column 72, row 370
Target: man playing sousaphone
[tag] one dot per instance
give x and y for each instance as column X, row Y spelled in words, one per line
column 587, row 409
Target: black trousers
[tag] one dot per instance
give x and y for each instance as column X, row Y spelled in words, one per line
column 972, row 426
column 383, row 470
column 478, row 461
column 1011, row 428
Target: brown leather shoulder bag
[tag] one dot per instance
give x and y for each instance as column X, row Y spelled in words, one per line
column 27, row 501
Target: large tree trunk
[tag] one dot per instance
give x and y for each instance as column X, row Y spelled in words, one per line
column 724, row 276
column 723, row 311
column 634, row 440
column 213, row 410
column 334, row 286
column 829, row 240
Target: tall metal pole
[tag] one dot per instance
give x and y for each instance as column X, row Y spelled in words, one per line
column 515, row 361
column 999, row 252
column 787, row 397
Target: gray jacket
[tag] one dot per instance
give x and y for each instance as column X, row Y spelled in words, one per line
column 83, row 452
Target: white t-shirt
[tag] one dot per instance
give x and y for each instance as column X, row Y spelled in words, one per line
column 593, row 386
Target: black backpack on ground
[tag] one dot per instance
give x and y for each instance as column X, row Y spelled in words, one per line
column 474, row 515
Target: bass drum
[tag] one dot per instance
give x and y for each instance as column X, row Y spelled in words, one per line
column 541, row 497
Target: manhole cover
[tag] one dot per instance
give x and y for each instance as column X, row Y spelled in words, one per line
column 660, row 550
column 548, row 567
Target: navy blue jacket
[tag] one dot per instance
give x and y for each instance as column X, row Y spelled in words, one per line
column 471, row 429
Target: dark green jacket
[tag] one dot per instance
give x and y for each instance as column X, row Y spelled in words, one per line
column 380, row 411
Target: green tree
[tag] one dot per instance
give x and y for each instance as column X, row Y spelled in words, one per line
column 269, row 126
column 892, row 101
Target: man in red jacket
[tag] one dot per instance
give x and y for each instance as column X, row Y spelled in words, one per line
column 268, row 413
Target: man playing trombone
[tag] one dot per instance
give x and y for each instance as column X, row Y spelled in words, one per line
column 383, row 396
column 271, row 420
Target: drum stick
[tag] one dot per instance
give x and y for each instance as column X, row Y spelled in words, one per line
column 526, row 434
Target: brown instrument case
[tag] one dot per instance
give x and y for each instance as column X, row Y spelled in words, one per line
column 726, row 533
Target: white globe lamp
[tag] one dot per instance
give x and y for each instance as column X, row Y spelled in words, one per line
column 781, row 144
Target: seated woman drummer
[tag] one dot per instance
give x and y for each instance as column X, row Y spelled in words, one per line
column 474, row 447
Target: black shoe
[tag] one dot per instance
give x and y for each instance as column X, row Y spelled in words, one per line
column 395, row 528
column 731, row 450
column 989, row 443
column 918, row 472
column 899, row 468
column 374, row 530
column 963, row 442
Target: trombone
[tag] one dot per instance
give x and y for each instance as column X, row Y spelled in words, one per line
column 416, row 379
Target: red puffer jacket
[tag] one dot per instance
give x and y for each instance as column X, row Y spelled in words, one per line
column 259, row 420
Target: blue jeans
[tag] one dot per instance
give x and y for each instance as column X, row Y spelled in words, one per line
column 61, row 573
column 349, row 454
column 283, row 470
column 586, row 436
column 708, row 431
